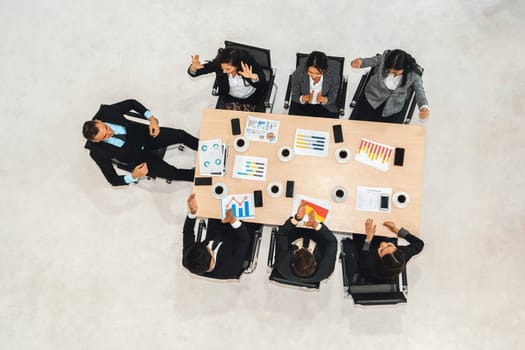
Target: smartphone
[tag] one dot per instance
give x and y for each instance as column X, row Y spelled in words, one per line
column 399, row 156
column 236, row 126
column 257, row 198
column 289, row 189
column 385, row 199
column 202, row 181
column 338, row 133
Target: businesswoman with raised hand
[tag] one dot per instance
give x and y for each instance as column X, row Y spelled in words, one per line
column 314, row 88
column 387, row 90
column 240, row 80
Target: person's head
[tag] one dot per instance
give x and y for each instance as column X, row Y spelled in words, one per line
column 199, row 258
column 398, row 62
column 303, row 263
column 229, row 59
column 96, row 131
column 391, row 261
column 316, row 65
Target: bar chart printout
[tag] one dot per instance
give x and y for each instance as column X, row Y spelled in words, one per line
column 242, row 206
column 311, row 143
column 250, row 168
column 375, row 154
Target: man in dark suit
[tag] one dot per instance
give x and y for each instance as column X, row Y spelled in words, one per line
column 380, row 258
column 224, row 251
column 305, row 255
column 112, row 136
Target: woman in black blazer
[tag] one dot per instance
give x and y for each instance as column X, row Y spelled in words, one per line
column 314, row 88
column 241, row 80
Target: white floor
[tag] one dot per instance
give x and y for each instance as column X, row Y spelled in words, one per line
column 86, row 266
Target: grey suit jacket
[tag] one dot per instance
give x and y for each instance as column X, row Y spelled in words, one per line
column 376, row 91
column 301, row 86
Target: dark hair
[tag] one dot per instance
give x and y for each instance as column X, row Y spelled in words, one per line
column 197, row 259
column 318, row 60
column 90, row 129
column 391, row 265
column 232, row 55
column 399, row 59
column 303, row 263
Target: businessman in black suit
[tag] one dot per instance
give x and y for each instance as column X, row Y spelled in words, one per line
column 302, row 254
column 380, row 258
column 111, row 136
column 224, row 251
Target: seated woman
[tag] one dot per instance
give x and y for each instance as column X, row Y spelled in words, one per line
column 381, row 259
column 387, row 90
column 314, row 88
column 240, row 80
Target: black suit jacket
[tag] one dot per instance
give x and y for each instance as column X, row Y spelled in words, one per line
column 325, row 252
column 368, row 258
column 132, row 152
column 232, row 253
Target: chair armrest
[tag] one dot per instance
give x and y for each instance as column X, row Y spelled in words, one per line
column 271, row 83
column 346, row 283
column 271, row 251
column 288, row 92
column 215, row 88
column 342, row 97
column 360, row 88
column 202, row 226
column 404, row 282
column 255, row 251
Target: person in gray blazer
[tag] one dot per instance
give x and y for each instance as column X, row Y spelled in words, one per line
column 387, row 90
column 314, row 88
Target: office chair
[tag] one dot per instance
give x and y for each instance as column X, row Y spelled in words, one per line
column 335, row 64
column 365, row 292
column 276, row 276
column 255, row 231
column 410, row 103
column 262, row 57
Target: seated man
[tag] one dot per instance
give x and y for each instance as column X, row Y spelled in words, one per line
column 305, row 255
column 112, row 136
column 381, row 259
column 223, row 252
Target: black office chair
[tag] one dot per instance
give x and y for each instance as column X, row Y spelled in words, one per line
column 276, row 276
column 262, row 57
column 335, row 64
column 255, row 231
column 365, row 292
column 410, row 103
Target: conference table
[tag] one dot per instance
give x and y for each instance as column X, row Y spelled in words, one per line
column 318, row 176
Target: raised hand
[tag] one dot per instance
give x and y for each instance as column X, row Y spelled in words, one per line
column 228, row 218
column 370, row 229
column 246, row 71
column 391, row 226
column 311, row 219
column 300, row 211
column 195, row 63
column 192, row 203
column 308, row 98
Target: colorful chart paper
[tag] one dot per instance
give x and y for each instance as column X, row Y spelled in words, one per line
column 320, row 207
column 250, row 168
column 212, row 157
column 311, row 143
column 242, row 206
column 375, row 154
column 264, row 130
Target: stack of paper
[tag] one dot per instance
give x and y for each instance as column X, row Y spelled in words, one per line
column 212, row 157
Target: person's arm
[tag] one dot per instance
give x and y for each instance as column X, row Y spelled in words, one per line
column 421, row 98
column 415, row 246
column 334, row 82
column 253, row 74
column 188, row 232
column 206, row 68
column 106, row 166
column 327, row 264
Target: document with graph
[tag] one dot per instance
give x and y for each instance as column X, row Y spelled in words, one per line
column 375, row 154
column 263, row 130
column 311, row 143
column 320, row 207
column 250, row 168
column 212, row 157
column 242, row 206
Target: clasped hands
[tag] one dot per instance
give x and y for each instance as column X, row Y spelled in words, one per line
column 192, row 207
column 301, row 211
column 309, row 98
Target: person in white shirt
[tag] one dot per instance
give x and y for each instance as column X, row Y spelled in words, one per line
column 314, row 88
column 240, row 80
column 387, row 90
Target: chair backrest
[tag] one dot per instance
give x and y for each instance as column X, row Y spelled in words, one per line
column 261, row 56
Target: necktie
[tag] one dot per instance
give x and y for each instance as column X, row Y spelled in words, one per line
column 120, row 137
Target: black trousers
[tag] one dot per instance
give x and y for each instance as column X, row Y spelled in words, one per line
column 364, row 111
column 311, row 110
column 157, row 167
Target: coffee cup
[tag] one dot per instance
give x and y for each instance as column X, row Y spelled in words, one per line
column 274, row 189
column 219, row 190
column 342, row 155
column 339, row 194
column 241, row 144
column 401, row 199
column 285, row 154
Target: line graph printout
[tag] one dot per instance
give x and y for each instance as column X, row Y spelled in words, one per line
column 242, row 206
column 375, row 154
column 311, row 143
column 250, row 168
